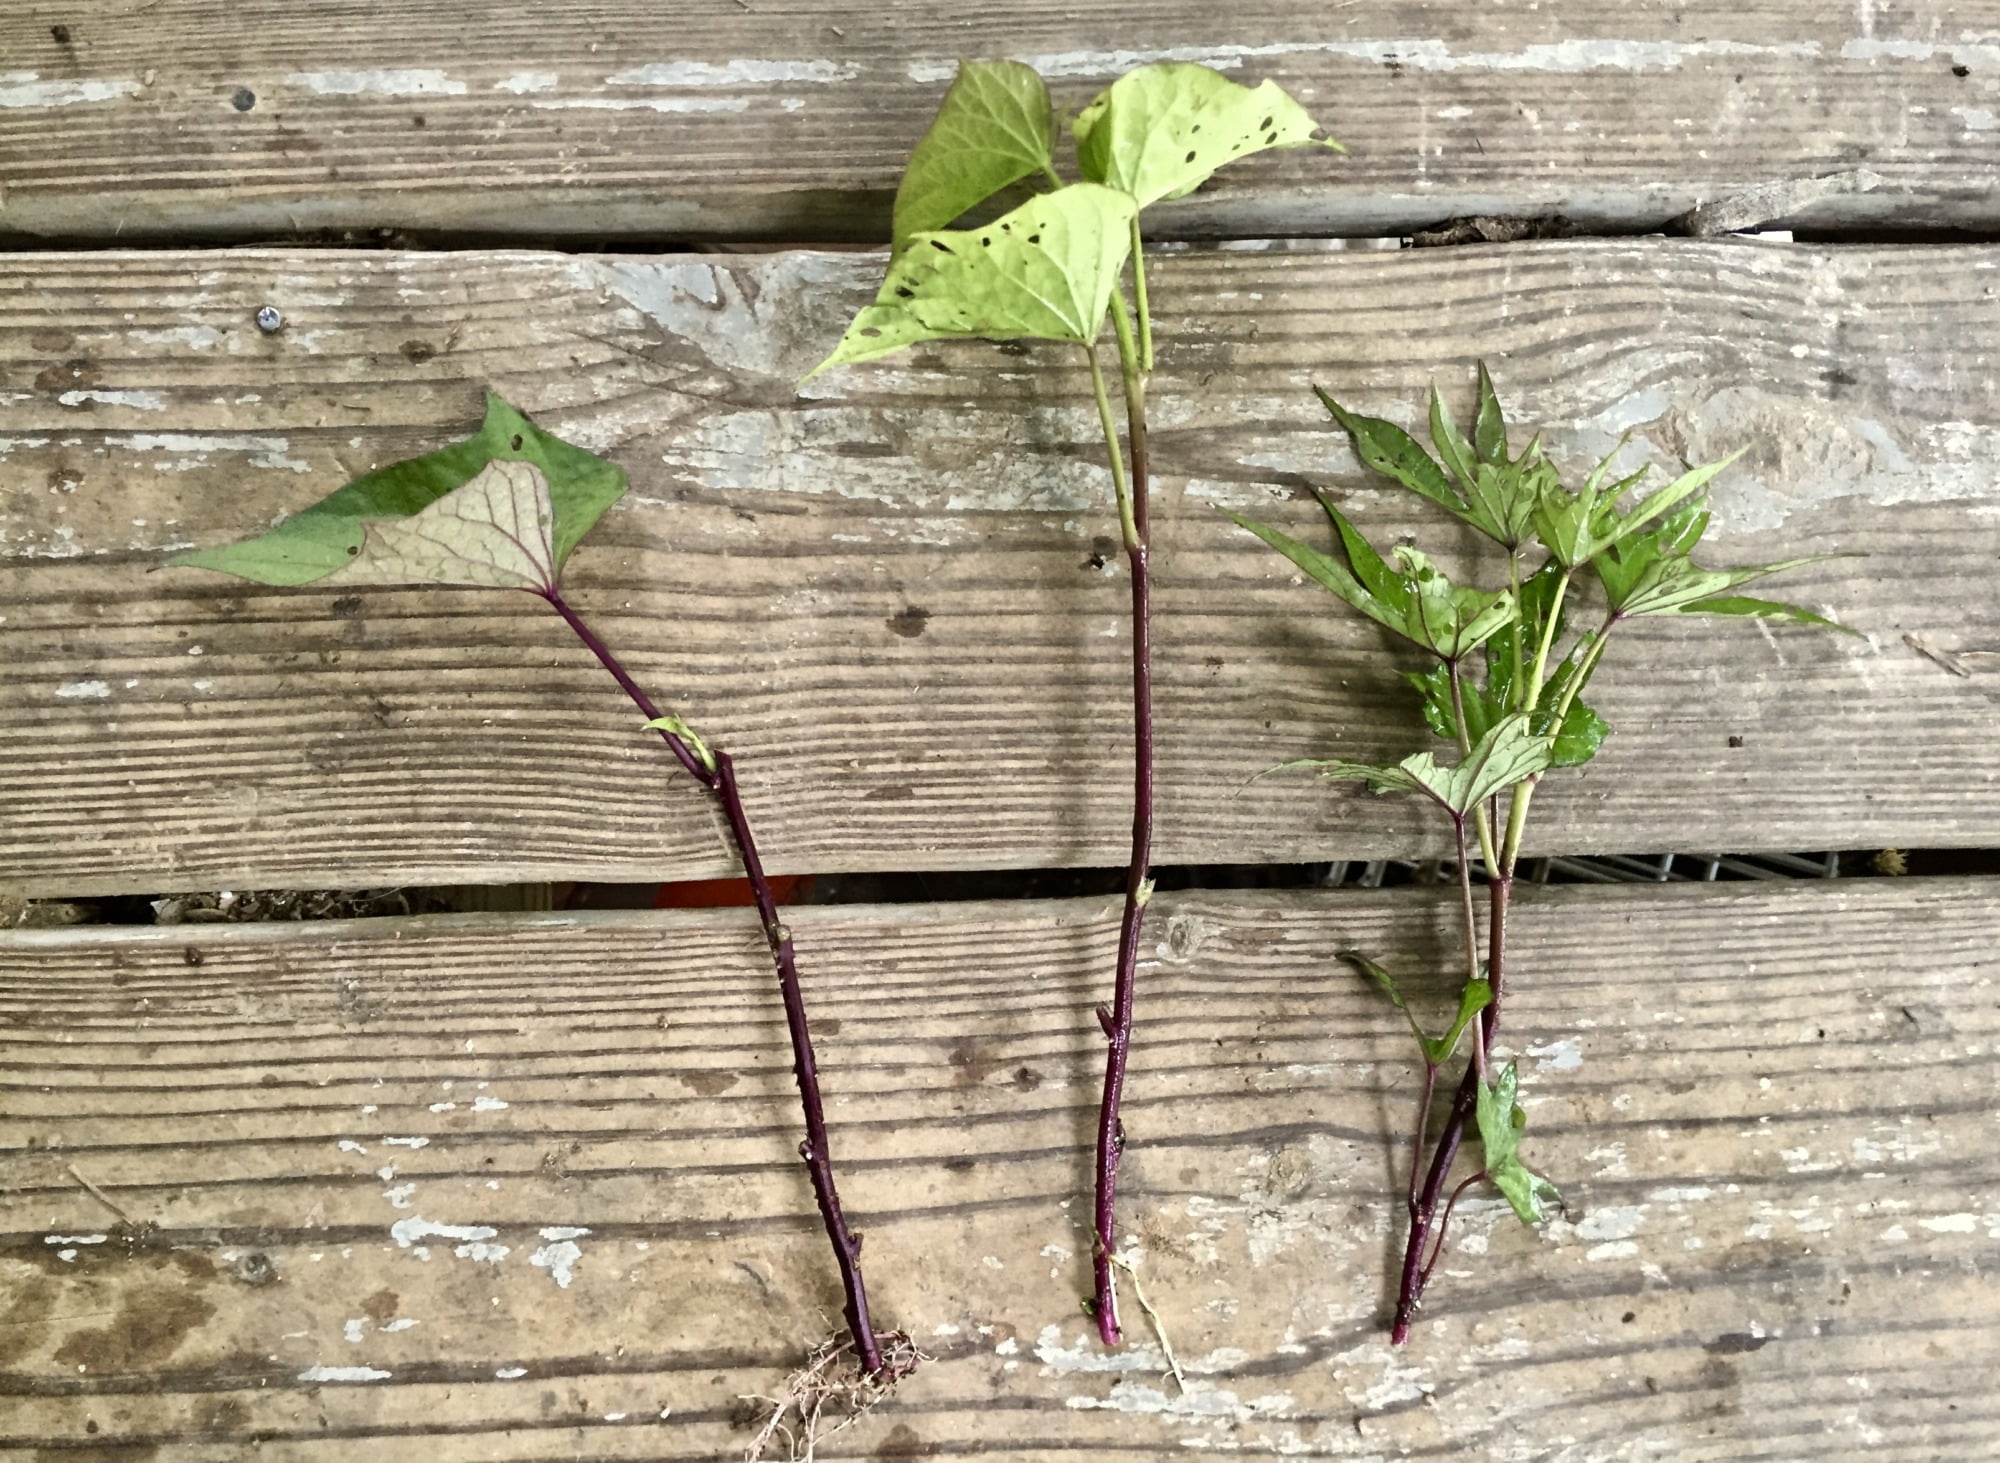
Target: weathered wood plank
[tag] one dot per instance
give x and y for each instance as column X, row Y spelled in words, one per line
column 887, row 594
column 186, row 119
column 1769, row 1108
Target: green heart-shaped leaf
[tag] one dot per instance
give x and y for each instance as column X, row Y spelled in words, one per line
column 1160, row 131
column 994, row 127
column 1044, row 271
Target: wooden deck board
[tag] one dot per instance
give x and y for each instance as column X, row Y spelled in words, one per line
column 887, row 595
column 729, row 120
column 1769, row 1109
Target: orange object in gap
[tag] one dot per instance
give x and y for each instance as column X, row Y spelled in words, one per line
column 728, row 893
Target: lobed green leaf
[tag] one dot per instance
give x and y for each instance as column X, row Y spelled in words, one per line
column 1506, row 755
column 1478, row 483
column 1411, row 598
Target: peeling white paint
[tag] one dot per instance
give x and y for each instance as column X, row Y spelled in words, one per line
column 1951, row 1224
column 1691, row 1195
column 561, row 1255
column 1562, row 1055
column 1197, row 1401
column 75, row 1239
column 488, row 1104
column 1592, row 54
column 27, row 89
column 388, row 81
column 194, row 448
column 510, row 1373
column 355, row 1329
column 344, row 1374
column 732, row 73
column 407, row 1232
column 137, row 400
column 83, row 691
column 193, row 337
column 521, row 83
column 418, row 1142
column 1085, row 1356
column 1977, row 119
column 1617, row 1221
column 646, row 104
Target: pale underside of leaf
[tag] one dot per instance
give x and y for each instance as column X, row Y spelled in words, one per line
column 1162, row 130
column 994, row 128
column 323, row 538
column 1044, row 271
column 495, row 531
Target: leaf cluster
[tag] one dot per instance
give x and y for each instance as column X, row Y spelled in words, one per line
column 1049, row 268
column 1508, row 672
column 1508, row 678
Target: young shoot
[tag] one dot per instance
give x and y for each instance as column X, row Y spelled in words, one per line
column 503, row 510
column 1050, row 269
column 1504, row 689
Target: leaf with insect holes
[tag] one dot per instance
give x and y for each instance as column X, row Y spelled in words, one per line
column 1160, row 131
column 494, row 532
column 994, row 128
column 1506, row 755
column 1410, row 597
column 1044, row 271
column 325, row 537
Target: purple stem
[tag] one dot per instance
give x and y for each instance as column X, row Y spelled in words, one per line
column 1117, row 1022
column 815, row 1150
column 1424, row 1203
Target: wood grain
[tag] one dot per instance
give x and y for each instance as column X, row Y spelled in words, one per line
column 180, row 120
column 896, row 596
column 1769, row 1109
